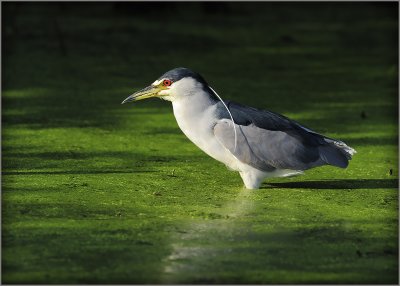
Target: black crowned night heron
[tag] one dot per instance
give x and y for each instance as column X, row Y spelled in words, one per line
column 256, row 143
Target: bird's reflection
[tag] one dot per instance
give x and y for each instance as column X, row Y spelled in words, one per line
column 194, row 248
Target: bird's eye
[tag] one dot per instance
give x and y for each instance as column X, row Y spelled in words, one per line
column 167, row 82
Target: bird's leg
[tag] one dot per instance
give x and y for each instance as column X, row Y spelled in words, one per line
column 251, row 180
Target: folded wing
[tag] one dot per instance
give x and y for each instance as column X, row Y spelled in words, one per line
column 268, row 141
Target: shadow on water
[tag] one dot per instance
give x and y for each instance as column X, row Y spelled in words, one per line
column 338, row 184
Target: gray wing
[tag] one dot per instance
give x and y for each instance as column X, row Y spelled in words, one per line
column 265, row 149
column 268, row 140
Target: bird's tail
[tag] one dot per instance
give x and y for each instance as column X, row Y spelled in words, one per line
column 336, row 153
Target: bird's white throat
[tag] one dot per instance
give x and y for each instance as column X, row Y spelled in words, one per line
column 195, row 114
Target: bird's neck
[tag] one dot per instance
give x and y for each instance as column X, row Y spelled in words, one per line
column 195, row 113
column 193, row 105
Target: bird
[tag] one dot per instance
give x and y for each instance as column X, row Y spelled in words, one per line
column 257, row 143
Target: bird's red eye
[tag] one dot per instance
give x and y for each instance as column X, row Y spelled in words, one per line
column 167, row 82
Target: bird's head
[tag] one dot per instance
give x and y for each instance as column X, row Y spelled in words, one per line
column 173, row 85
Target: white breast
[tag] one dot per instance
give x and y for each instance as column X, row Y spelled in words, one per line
column 196, row 117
